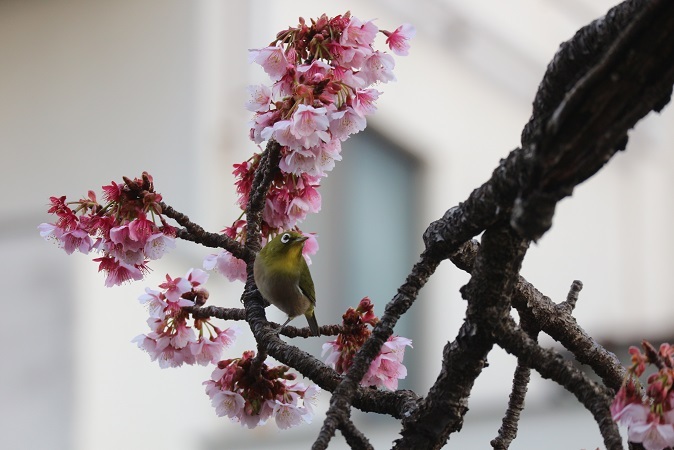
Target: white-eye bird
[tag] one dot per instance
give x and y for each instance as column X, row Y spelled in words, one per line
column 283, row 277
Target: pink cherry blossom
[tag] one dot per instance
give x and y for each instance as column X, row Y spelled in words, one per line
column 208, row 350
column 287, row 415
column 120, row 230
column 316, row 71
column 260, row 98
column 272, row 60
column 140, row 228
column 227, row 403
column 182, row 334
column 320, row 96
column 310, row 246
column 196, row 277
column 157, row 245
column 364, row 99
column 155, row 302
column 118, row 272
column 174, row 288
column 77, row 239
column 310, row 398
column 282, row 133
column 122, row 236
column 398, row 41
column 358, row 33
column 263, row 124
column 387, row 367
column 378, row 67
column 298, row 162
column 344, row 123
column 226, row 264
column 652, row 435
column 309, row 125
column 265, row 391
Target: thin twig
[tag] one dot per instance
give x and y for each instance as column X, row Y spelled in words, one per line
column 508, row 431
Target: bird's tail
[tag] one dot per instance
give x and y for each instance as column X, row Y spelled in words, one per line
column 311, row 318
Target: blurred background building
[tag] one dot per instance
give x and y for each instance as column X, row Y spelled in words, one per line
column 94, row 90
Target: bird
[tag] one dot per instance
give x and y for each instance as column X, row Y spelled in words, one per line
column 282, row 276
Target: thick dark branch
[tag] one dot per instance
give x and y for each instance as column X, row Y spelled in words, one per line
column 264, row 175
column 574, row 59
column 488, row 293
column 252, row 301
column 193, row 232
column 554, row 320
column 483, row 208
column 633, row 77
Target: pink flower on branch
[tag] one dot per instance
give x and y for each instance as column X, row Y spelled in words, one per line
column 398, row 40
column 649, row 415
column 175, row 339
column 387, row 368
column 251, row 397
column 120, row 230
column 321, row 73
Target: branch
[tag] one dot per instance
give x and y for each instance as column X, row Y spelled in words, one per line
column 554, row 320
column 195, row 233
column 204, row 312
column 551, row 365
column 508, row 431
column 632, row 77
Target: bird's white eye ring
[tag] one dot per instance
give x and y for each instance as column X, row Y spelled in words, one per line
column 285, row 238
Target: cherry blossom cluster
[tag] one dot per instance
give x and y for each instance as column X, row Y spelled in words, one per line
column 250, row 394
column 124, row 229
column 172, row 341
column 648, row 414
column 387, row 368
column 322, row 91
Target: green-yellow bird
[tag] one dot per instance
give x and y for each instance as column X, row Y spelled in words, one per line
column 283, row 277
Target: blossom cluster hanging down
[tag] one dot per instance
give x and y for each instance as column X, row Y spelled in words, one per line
column 172, row 341
column 123, row 230
column 322, row 91
column 387, row 368
column 649, row 414
column 249, row 396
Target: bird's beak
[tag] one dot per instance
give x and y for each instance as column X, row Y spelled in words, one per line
column 302, row 238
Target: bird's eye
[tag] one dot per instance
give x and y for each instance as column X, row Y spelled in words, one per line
column 285, row 238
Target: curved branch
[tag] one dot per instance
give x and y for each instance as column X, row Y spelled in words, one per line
column 195, row 233
column 632, row 77
column 552, row 366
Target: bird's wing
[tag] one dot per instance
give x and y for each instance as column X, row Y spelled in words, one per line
column 306, row 283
